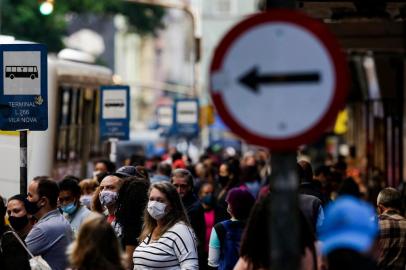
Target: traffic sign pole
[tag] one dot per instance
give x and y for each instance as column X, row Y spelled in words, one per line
column 287, row 68
column 284, row 229
column 283, row 217
column 23, row 161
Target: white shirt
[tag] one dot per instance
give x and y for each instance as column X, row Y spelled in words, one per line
column 174, row 250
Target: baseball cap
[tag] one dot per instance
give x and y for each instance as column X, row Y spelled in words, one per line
column 126, row 171
column 349, row 223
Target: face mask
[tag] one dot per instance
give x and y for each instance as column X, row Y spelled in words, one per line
column 86, row 200
column 18, row 223
column 208, row 200
column 69, row 209
column 95, row 173
column 223, row 180
column 107, row 197
column 156, row 209
column 32, row 207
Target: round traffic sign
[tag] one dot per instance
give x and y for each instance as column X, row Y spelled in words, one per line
column 278, row 79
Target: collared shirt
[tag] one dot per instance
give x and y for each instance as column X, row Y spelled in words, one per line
column 77, row 218
column 50, row 238
column 392, row 241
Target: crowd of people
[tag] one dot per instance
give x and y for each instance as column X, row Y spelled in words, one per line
column 168, row 213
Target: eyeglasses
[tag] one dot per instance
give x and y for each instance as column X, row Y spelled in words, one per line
column 181, row 186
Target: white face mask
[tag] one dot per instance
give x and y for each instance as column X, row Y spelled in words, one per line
column 107, row 197
column 86, row 200
column 156, row 209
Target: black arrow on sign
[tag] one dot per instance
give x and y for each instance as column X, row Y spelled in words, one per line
column 252, row 79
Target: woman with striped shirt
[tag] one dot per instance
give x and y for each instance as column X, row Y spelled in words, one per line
column 167, row 240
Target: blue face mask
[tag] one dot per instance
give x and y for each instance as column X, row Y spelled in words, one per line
column 69, row 209
column 208, row 200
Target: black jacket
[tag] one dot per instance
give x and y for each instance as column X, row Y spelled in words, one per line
column 313, row 188
column 195, row 213
column 12, row 254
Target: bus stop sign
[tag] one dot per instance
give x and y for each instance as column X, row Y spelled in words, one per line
column 115, row 112
column 24, row 89
column 278, row 79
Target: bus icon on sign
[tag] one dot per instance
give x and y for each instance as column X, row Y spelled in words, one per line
column 21, row 72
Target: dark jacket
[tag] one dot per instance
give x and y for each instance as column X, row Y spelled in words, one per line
column 347, row 259
column 313, row 188
column 310, row 207
column 195, row 213
column 12, row 254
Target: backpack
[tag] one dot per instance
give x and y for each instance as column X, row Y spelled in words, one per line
column 229, row 234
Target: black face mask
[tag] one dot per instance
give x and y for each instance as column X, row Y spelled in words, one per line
column 223, row 180
column 209, row 200
column 32, row 207
column 18, row 223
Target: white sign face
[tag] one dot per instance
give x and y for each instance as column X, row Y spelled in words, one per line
column 276, row 80
column 165, row 115
column 22, row 72
column 186, row 112
column 114, row 104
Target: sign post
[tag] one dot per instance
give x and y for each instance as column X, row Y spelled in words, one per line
column 23, row 161
column 187, row 117
column 114, row 115
column 115, row 112
column 279, row 79
column 24, row 94
column 165, row 118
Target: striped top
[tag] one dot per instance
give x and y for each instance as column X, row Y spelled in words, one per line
column 175, row 249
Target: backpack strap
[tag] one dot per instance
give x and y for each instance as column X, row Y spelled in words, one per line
column 13, row 233
column 221, row 230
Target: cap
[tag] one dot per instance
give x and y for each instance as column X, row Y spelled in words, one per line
column 179, row 164
column 349, row 223
column 240, row 201
column 126, row 171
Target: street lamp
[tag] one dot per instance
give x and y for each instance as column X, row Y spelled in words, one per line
column 46, row 7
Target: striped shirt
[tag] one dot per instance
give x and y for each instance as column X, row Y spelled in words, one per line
column 175, row 249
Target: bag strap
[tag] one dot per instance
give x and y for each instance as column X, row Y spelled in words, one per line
column 20, row 241
column 221, row 230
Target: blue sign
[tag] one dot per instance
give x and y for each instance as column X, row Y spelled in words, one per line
column 115, row 112
column 165, row 118
column 24, row 87
column 187, row 117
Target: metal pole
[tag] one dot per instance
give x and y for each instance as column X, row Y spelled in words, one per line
column 113, row 149
column 284, row 218
column 284, row 229
column 23, row 161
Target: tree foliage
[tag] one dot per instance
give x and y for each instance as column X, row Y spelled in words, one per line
column 22, row 19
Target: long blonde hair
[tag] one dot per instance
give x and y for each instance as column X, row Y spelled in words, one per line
column 96, row 246
column 177, row 212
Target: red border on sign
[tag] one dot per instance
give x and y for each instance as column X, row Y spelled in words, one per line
column 340, row 69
